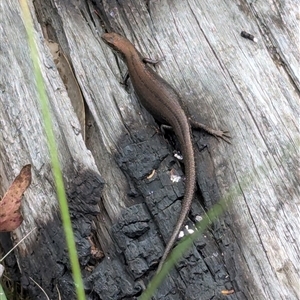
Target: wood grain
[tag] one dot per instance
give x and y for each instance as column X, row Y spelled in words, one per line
column 225, row 81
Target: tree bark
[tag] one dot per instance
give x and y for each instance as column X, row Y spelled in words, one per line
column 109, row 145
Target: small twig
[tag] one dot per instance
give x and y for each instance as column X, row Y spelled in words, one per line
column 17, row 244
column 40, row 288
column 59, row 297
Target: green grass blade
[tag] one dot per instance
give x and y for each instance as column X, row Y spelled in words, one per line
column 2, row 294
column 179, row 251
column 213, row 214
column 53, row 154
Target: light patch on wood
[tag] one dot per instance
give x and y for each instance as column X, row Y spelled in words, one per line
column 68, row 77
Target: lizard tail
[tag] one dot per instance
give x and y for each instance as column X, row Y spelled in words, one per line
column 190, row 171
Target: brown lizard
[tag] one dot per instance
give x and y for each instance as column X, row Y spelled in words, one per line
column 163, row 102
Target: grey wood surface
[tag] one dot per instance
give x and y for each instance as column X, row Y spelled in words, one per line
column 225, row 81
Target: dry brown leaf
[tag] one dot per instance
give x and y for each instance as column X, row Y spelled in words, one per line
column 10, row 216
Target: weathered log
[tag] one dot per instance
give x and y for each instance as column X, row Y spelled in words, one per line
column 225, row 81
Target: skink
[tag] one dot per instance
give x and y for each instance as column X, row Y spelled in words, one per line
column 163, row 102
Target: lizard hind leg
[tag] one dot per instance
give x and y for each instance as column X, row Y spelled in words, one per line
column 224, row 135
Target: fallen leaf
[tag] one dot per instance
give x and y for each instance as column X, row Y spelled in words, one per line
column 10, row 216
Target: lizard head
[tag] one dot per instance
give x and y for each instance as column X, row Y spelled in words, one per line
column 117, row 42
